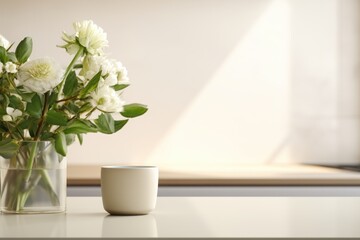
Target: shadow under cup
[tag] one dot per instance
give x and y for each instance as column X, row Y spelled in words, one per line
column 129, row 190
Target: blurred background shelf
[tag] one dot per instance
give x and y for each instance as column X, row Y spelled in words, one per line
column 246, row 175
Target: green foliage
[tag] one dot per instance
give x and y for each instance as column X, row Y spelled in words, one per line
column 134, row 110
column 85, row 108
column 70, row 138
column 8, row 148
column 27, row 97
column 53, row 98
column 60, row 144
column 120, row 124
column 34, row 108
column 11, row 56
column 105, row 123
column 119, row 87
column 56, row 118
column 91, row 86
column 71, row 84
column 80, row 126
column 16, row 103
column 80, row 137
column 4, row 100
column 3, row 55
column 23, row 50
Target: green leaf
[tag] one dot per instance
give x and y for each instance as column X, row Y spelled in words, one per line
column 47, row 136
column 27, row 96
column 33, row 127
column 80, row 126
column 3, row 129
column 25, row 123
column 52, row 98
column 11, row 56
column 72, row 108
column 77, row 66
column 16, row 103
column 56, row 118
column 120, row 124
column 4, row 100
column 119, row 87
column 24, row 49
column 71, row 84
column 105, row 123
column 134, row 110
column 2, row 111
column 91, row 86
column 34, row 108
column 3, row 55
column 8, row 148
column 81, row 138
column 60, row 144
column 86, row 107
column 70, row 138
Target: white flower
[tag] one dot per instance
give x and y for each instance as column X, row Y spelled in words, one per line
column 89, row 35
column 110, row 80
column 71, row 45
column 113, row 72
column 12, row 114
column 10, row 67
column 122, row 74
column 106, row 99
column 40, row 75
column 7, row 118
column 92, row 64
column 27, row 133
column 1, row 67
column 4, row 42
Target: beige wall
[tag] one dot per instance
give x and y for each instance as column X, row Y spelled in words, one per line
column 227, row 82
column 325, row 81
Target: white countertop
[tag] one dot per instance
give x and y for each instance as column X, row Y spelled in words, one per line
column 198, row 217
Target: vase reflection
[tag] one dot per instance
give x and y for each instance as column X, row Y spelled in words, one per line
column 28, row 225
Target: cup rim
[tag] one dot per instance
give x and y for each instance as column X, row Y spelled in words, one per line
column 128, row 167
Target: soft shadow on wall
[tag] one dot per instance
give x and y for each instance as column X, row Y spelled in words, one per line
column 181, row 46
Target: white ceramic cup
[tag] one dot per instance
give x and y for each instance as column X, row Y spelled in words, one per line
column 129, row 190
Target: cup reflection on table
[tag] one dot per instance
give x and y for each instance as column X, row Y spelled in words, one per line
column 129, row 226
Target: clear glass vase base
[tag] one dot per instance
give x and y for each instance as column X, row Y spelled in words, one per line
column 34, row 211
column 33, row 180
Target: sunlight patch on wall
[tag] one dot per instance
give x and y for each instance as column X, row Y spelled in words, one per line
column 242, row 114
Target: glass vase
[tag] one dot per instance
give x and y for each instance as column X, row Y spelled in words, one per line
column 33, row 180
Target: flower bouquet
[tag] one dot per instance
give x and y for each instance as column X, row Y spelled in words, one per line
column 44, row 109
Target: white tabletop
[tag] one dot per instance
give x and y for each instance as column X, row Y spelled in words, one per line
column 198, row 217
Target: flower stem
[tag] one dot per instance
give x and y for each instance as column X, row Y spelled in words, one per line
column 79, row 53
column 19, row 185
column 30, row 162
column 67, row 99
column 89, row 113
column 42, row 118
column 49, row 187
column 9, row 131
